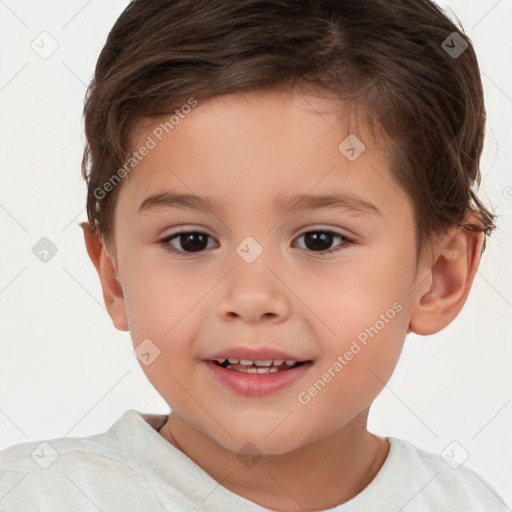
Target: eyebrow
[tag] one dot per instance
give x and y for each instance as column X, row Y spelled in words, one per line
column 289, row 203
column 310, row 202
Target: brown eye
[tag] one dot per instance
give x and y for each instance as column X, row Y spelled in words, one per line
column 191, row 241
column 318, row 241
column 322, row 241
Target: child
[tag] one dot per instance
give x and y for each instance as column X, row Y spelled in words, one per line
column 278, row 192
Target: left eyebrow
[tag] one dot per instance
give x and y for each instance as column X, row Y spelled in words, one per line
column 344, row 200
column 306, row 202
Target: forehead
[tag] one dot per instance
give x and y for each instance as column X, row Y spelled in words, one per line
column 261, row 145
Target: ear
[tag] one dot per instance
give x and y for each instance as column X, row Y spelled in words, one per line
column 112, row 291
column 447, row 274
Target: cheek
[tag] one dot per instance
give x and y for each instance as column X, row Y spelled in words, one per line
column 162, row 323
column 159, row 296
column 368, row 315
column 372, row 292
column 161, row 306
column 350, row 378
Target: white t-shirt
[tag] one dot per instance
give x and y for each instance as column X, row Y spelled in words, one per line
column 131, row 467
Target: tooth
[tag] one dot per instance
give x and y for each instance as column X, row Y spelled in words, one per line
column 252, row 370
column 243, row 370
column 290, row 363
column 234, row 361
column 246, row 362
column 273, row 370
column 263, row 370
column 263, row 363
column 278, row 362
column 220, row 361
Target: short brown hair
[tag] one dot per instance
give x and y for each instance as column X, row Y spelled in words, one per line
column 390, row 56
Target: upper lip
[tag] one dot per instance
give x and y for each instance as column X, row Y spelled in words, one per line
column 254, row 354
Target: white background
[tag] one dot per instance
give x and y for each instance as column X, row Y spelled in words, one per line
column 66, row 371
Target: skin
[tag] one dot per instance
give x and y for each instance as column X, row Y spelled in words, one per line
column 245, row 150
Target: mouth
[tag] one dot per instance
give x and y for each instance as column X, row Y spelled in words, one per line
column 257, row 377
column 256, row 366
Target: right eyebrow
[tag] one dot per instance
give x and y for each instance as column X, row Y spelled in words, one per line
column 175, row 200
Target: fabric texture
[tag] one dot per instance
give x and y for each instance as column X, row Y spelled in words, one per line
column 131, row 467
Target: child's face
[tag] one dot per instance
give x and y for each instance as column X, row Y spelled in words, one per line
column 305, row 297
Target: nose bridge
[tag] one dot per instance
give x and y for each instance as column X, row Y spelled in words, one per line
column 252, row 291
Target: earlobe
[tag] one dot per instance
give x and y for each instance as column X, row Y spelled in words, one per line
column 447, row 278
column 112, row 291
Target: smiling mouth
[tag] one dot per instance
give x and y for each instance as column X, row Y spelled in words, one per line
column 248, row 366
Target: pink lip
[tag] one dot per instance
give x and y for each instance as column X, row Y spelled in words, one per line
column 257, row 384
column 253, row 354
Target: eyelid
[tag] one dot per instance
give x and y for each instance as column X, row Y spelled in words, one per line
column 187, row 229
column 345, row 233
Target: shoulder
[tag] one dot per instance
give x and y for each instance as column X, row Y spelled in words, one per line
column 57, row 472
column 437, row 483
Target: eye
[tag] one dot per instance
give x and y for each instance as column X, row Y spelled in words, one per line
column 318, row 241
column 190, row 241
column 321, row 240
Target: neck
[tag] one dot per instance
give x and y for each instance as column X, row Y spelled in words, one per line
column 320, row 475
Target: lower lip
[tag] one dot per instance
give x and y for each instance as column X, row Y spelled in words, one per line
column 257, row 384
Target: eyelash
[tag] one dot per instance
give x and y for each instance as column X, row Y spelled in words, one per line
column 166, row 242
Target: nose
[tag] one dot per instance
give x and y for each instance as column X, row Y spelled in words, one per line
column 253, row 293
